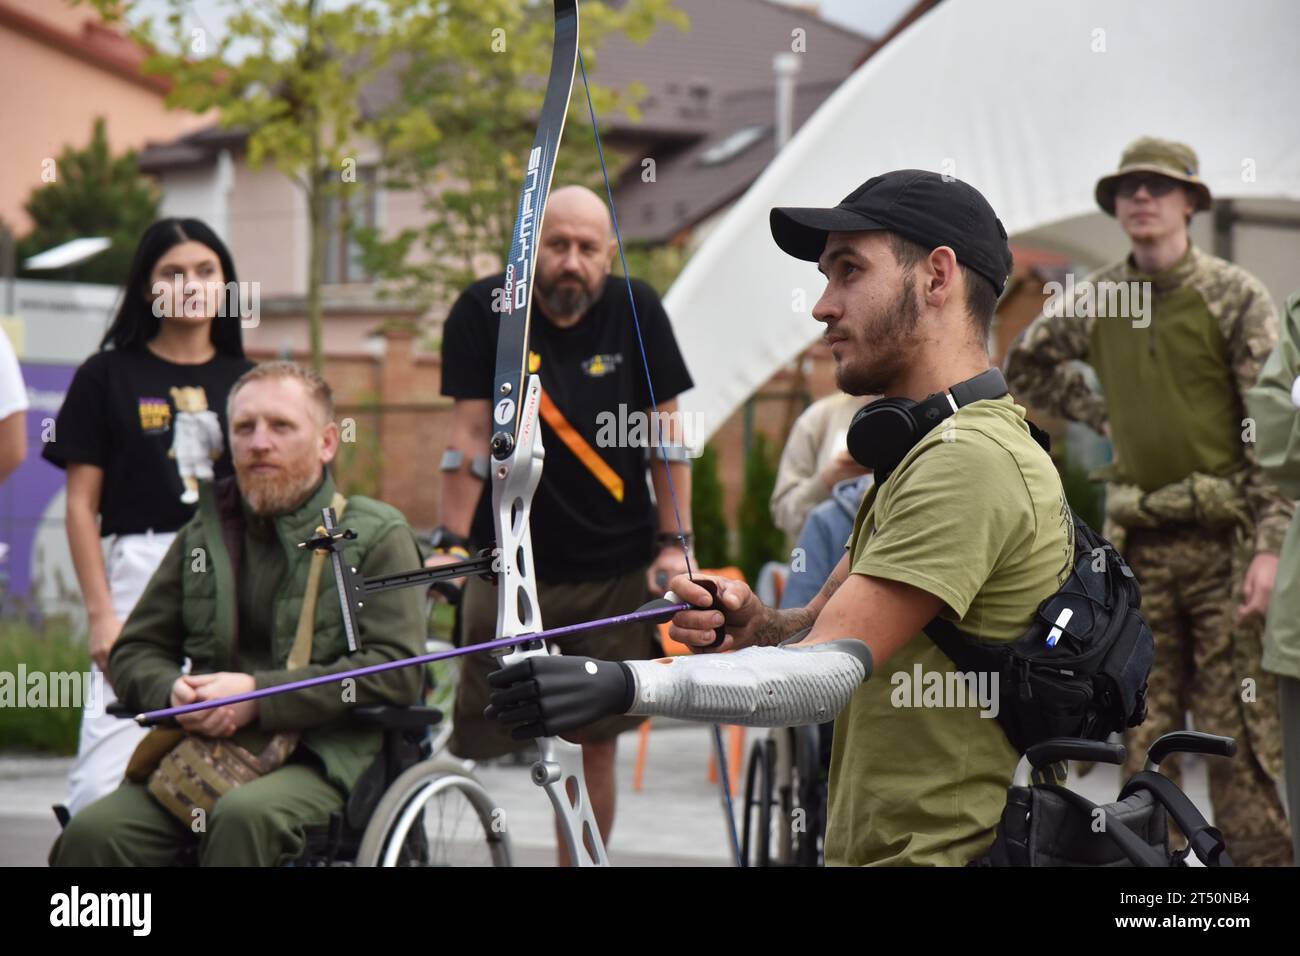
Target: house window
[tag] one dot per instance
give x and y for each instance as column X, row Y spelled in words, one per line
column 357, row 206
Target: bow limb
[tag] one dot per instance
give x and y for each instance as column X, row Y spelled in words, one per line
column 517, row 451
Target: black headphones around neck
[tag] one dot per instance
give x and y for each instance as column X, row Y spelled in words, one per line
column 884, row 431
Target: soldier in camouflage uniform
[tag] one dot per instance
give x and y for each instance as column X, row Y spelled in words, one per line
column 1176, row 338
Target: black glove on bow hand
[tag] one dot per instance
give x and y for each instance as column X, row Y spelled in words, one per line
column 547, row 696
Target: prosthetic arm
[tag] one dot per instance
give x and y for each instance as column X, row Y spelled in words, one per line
column 757, row 687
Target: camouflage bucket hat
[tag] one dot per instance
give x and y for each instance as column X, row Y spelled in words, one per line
column 1150, row 155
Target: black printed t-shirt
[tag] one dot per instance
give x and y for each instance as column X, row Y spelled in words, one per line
column 580, row 531
column 119, row 414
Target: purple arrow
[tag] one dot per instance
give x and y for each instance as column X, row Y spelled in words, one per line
column 657, row 611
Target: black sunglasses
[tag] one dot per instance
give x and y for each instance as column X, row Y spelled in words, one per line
column 1156, row 185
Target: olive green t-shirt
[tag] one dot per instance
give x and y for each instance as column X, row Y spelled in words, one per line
column 976, row 515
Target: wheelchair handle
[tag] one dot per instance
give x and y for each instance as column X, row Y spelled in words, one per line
column 1066, row 748
column 1189, row 742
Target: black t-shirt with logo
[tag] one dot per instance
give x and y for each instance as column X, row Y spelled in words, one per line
column 145, row 421
column 580, row 530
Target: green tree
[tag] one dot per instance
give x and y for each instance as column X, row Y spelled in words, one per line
column 760, row 539
column 91, row 193
column 290, row 74
column 657, row 265
column 707, row 520
column 460, row 124
column 305, row 78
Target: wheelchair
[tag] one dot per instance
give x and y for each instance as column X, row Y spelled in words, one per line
column 1044, row 824
column 410, row 807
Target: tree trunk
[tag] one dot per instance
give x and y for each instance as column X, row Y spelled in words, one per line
column 316, row 262
column 315, row 206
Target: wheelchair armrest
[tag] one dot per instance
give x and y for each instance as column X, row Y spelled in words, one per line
column 1189, row 742
column 1066, row 748
column 397, row 718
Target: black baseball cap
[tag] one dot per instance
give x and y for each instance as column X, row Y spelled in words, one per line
column 919, row 205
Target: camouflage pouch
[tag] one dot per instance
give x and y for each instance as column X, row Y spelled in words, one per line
column 198, row 771
column 150, row 751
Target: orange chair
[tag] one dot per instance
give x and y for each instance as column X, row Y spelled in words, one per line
column 736, row 734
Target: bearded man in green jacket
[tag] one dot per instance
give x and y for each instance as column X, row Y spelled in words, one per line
column 1177, row 337
column 229, row 596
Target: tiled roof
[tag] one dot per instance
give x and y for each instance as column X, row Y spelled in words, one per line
column 688, row 186
column 190, row 150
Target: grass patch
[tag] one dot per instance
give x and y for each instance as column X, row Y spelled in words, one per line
column 54, row 647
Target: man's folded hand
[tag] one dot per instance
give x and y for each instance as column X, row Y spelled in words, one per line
column 217, row 721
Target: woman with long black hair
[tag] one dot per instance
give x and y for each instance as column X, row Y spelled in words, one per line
column 143, row 422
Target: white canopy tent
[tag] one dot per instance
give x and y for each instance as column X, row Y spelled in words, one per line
column 1030, row 102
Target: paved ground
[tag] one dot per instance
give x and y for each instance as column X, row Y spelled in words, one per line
column 676, row 820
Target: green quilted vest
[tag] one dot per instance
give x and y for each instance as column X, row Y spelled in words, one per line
column 210, row 614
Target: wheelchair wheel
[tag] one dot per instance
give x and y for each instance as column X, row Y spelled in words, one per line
column 760, row 797
column 435, row 814
column 785, row 780
column 807, row 820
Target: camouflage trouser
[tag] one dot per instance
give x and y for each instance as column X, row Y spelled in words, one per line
column 1207, row 661
column 1289, row 690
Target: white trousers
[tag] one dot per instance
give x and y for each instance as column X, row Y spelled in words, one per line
column 107, row 742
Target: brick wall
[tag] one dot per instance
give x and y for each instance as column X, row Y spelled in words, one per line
column 393, row 422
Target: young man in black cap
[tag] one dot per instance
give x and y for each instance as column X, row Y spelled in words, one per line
column 967, row 521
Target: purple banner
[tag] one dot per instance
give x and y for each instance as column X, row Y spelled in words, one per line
column 26, row 497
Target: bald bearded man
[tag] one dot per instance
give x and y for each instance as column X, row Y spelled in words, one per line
column 601, row 545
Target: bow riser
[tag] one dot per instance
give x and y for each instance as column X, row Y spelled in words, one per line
column 517, row 444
